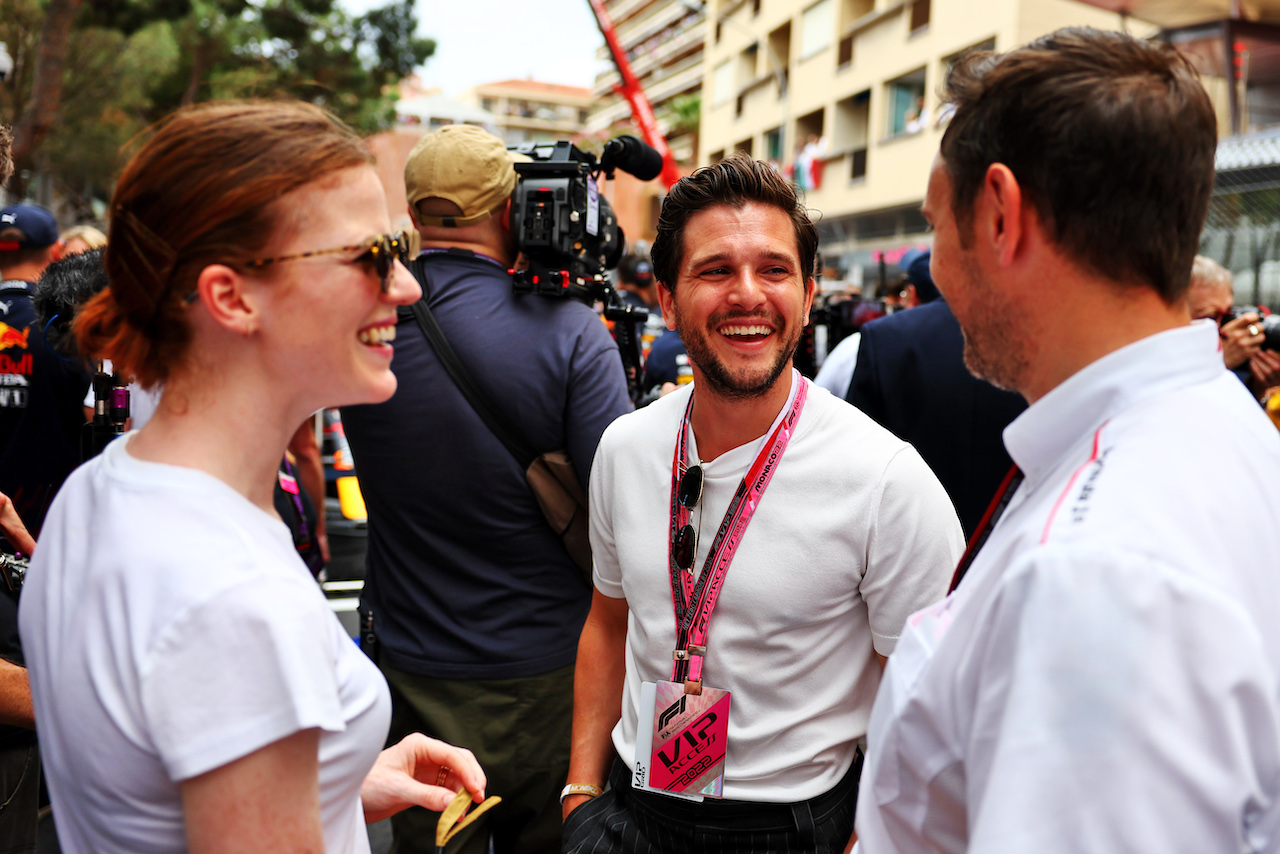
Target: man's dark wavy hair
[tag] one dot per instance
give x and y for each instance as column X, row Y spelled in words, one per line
column 734, row 181
column 1112, row 142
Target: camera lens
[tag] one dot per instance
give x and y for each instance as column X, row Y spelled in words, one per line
column 1270, row 332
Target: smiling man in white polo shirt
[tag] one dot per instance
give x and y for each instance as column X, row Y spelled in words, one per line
column 1104, row 678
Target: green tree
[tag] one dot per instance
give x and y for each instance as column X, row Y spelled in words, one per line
column 39, row 62
column 107, row 101
column 684, row 114
column 130, row 62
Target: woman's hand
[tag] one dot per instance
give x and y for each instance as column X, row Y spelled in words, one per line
column 410, row 774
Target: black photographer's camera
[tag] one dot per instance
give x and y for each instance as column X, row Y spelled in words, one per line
column 14, row 570
column 1269, row 324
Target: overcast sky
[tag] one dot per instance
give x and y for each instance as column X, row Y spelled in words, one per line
column 482, row 41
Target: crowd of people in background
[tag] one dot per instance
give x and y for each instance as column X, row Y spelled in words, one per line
column 976, row 586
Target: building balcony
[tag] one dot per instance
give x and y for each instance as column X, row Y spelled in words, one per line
column 653, row 19
column 607, row 113
column 622, row 11
column 679, row 82
column 652, row 22
column 647, row 65
column 670, row 80
column 656, row 81
column 691, row 37
column 534, row 123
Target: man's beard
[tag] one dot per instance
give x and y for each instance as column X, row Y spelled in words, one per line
column 989, row 358
column 749, row 383
column 996, row 343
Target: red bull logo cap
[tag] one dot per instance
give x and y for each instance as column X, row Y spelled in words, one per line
column 27, row 227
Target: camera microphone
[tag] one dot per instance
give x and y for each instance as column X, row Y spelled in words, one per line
column 66, row 285
column 633, row 157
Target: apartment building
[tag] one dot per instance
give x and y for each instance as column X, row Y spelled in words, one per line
column 663, row 41
column 842, row 95
column 530, row 110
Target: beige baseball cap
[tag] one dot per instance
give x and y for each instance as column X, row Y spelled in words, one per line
column 462, row 164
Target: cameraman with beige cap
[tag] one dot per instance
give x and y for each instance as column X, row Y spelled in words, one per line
column 475, row 604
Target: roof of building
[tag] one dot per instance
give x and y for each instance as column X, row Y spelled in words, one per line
column 539, row 86
column 1249, row 151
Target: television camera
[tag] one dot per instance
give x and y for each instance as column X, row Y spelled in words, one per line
column 568, row 234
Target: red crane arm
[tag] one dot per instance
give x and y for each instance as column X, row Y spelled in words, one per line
column 641, row 109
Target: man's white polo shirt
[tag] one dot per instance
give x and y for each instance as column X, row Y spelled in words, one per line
column 1105, row 679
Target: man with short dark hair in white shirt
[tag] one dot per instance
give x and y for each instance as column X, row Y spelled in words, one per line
column 1105, row 676
column 758, row 544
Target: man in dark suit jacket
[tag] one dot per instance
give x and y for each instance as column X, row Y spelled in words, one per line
column 910, row 377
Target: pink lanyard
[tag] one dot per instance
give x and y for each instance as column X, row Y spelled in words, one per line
column 692, row 621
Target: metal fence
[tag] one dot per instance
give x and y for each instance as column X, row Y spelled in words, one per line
column 1243, row 231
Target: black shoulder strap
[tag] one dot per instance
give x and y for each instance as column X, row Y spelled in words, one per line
column 497, row 424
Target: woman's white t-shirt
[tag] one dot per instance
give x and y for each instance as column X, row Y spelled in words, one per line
column 169, row 628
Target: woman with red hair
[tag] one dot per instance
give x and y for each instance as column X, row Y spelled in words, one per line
column 193, row 690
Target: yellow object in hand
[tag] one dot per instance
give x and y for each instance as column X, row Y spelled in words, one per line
column 446, row 828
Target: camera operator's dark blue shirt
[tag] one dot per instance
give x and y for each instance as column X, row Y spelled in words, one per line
column 466, row 579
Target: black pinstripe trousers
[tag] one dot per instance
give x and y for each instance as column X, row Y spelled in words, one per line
column 625, row 821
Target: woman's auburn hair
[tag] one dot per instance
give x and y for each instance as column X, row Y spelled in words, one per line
column 201, row 190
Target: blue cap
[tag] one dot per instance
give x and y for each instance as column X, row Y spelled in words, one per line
column 915, row 264
column 643, row 272
column 27, row 227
